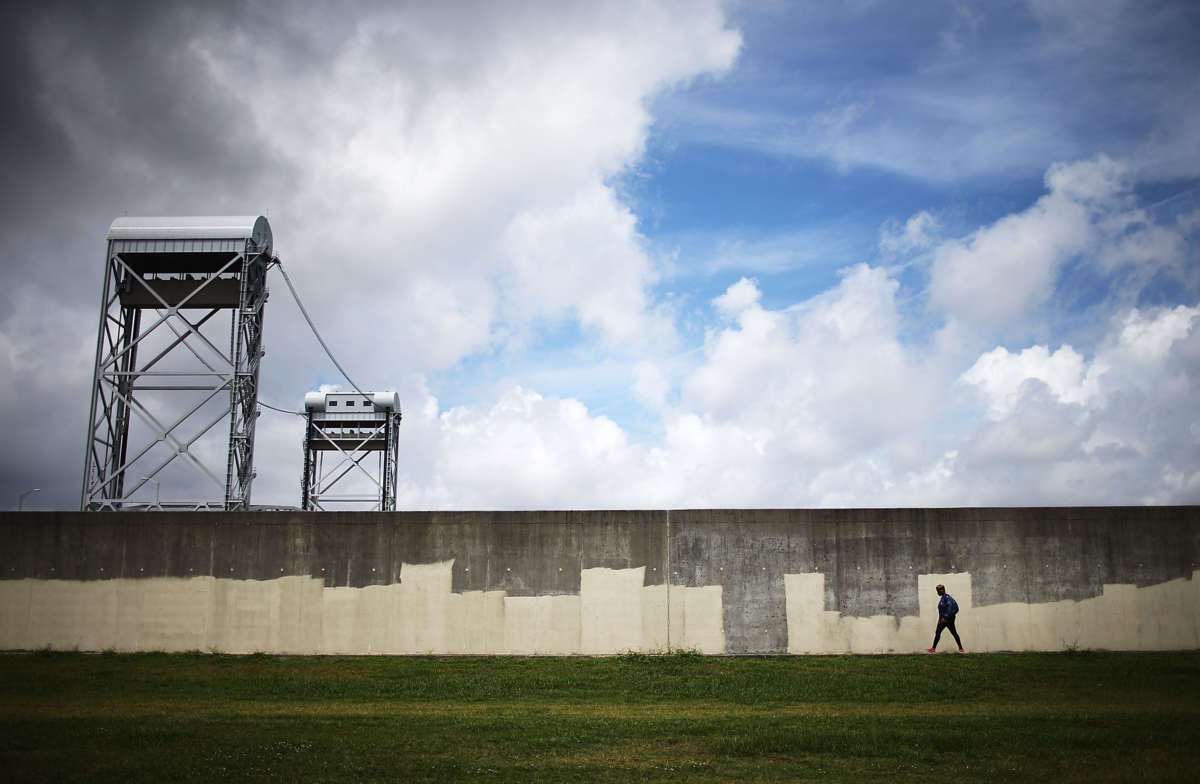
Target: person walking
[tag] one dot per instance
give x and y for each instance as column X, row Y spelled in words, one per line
column 947, row 611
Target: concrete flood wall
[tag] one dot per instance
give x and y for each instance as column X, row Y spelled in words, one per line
column 718, row 581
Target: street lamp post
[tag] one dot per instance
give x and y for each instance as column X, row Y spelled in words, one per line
column 21, row 497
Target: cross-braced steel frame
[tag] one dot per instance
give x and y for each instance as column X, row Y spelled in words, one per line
column 350, row 444
column 158, row 293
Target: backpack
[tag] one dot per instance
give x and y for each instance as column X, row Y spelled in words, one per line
column 953, row 608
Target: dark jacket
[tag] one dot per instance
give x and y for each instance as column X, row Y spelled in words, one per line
column 947, row 607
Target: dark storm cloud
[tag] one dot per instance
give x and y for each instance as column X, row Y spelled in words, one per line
column 113, row 112
column 151, row 108
column 29, row 140
column 110, row 109
column 327, row 113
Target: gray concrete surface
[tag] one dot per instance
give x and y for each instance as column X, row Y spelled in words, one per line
column 870, row 557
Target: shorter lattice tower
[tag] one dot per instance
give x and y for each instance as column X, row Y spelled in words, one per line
column 351, row 442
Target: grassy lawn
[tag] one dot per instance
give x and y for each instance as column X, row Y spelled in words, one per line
column 156, row 717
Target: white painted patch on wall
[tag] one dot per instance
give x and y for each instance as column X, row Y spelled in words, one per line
column 613, row 613
column 1165, row 616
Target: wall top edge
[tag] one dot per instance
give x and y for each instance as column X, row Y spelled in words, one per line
column 579, row 516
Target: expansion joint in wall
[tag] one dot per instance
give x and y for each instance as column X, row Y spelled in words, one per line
column 668, row 579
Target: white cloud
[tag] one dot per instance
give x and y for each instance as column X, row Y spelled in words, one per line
column 820, row 405
column 996, row 279
column 1037, row 427
column 809, row 380
column 738, row 298
column 1003, row 271
column 1099, row 181
column 524, row 452
column 1001, row 375
column 712, row 251
column 650, row 385
column 918, row 233
column 465, row 162
column 779, row 400
column 602, row 278
column 1145, row 339
column 1118, row 429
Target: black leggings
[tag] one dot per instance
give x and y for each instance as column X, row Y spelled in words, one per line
column 946, row 623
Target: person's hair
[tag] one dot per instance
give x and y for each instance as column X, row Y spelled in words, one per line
column 940, row 588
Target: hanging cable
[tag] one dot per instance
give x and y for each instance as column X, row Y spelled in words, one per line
column 280, row 410
column 313, row 327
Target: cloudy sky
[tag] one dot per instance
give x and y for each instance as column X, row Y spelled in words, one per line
column 646, row 254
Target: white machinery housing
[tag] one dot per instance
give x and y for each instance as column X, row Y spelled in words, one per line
column 350, row 428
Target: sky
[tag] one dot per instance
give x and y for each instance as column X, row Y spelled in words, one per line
column 644, row 254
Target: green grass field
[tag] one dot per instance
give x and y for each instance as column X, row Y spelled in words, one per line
column 682, row 717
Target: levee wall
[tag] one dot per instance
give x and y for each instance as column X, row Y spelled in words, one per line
column 718, row 581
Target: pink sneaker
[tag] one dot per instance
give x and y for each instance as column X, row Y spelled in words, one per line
column 930, row 650
column 960, row 650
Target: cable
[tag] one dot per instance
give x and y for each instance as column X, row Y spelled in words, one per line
column 281, row 410
column 313, row 327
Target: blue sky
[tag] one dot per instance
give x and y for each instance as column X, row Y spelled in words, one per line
column 658, row 253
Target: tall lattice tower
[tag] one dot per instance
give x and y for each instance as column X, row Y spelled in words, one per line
column 360, row 436
column 168, row 372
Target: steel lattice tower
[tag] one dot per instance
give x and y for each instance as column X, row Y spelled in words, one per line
column 161, row 384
